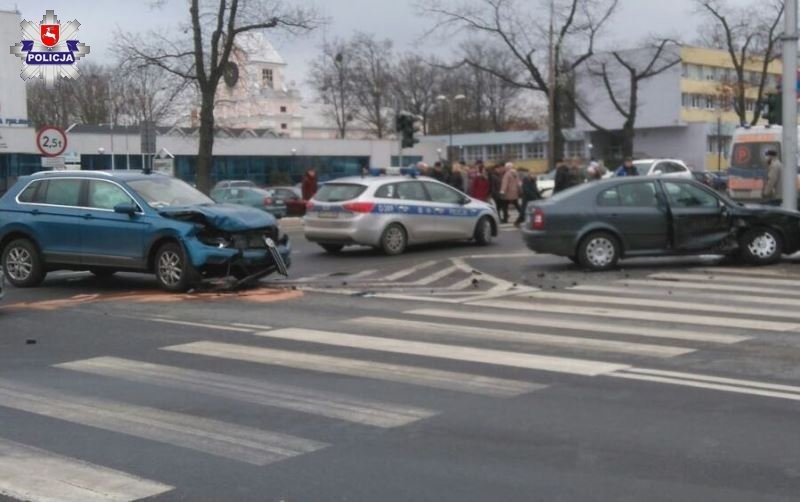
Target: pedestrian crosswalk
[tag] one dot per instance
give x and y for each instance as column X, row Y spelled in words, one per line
column 625, row 330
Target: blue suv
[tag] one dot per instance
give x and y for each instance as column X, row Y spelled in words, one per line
column 110, row 221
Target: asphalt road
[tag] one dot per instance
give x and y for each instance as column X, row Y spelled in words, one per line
column 451, row 373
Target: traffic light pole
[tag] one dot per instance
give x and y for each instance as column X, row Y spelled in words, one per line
column 789, row 154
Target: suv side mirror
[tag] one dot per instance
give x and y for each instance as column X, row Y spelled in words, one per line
column 126, row 208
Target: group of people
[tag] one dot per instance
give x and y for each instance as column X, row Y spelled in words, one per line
column 502, row 184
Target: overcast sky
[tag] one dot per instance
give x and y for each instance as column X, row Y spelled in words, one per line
column 397, row 20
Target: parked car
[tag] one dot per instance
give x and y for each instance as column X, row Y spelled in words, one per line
column 234, row 184
column 672, row 168
column 259, row 198
column 393, row 212
column 596, row 224
column 546, row 183
column 106, row 222
column 293, row 198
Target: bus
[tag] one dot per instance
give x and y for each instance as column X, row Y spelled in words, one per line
column 748, row 168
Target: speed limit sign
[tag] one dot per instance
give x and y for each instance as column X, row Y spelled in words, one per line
column 51, row 141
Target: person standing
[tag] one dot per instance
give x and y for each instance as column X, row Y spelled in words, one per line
column 627, row 168
column 495, row 182
column 509, row 191
column 309, row 185
column 438, row 172
column 561, row 180
column 456, row 179
column 773, row 184
column 530, row 193
column 481, row 186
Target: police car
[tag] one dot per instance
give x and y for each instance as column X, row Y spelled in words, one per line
column 393, row 212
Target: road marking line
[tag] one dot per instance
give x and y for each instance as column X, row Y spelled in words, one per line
column 498, row 255
column 709, row 286
column 759, row 272
column 28, row 473
column 644, row 315
column 326, row 404
column 411, row 375
column 621, row 290
column 436, row 276
column 408, row 271
column 666, row 304
column 214, row 437
column 201, row 325
column 443, row 351
column 364, row 273
column 594, row 327
column 251, row 326
column 476, row 333
column 774, row 282
column 711, row 383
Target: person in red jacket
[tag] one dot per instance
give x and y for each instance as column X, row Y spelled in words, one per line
column 309, row 185
column 481, row 187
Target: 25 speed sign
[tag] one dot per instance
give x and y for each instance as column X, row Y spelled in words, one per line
column 51, row 141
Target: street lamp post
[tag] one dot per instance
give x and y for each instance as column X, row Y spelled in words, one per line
column 449, row 101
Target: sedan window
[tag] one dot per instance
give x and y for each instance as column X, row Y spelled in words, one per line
column 630, row 195
column 609, row 197
column 684, row 195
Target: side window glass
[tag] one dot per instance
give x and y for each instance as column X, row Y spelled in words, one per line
column 412, row 190
column 684, row 195
column 63, row 192
column 443, row 194
column 609, row 197
column 638, row 195
column 29, row 194
column 386, row 192
column 105, row 195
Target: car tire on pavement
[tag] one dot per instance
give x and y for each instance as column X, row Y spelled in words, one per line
column 394, row 239
column 22, row 264
column 598, row 251
column 761, row 246
column 332, row 248
column 173, row 271
column 483, row 231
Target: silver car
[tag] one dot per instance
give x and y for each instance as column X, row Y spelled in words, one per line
column 393, row 212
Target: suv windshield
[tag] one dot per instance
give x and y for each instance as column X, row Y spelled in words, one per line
column 159, row 191
column 338, row 192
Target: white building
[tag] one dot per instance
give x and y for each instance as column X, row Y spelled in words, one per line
column 13, row 97
column 254, row 93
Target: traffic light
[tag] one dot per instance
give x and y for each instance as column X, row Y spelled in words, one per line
column 775, row 109
column 405, row 124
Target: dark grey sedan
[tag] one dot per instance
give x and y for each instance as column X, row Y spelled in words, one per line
column 596, row 224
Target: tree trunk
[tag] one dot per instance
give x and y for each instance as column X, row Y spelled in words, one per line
column 628, row 134
column 205, row 153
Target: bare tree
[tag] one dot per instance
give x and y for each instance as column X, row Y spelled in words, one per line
column 331, row 77
column 203, row 57
column 50, row 106
column 621, row 74
column 416, row 86
column 516, row 27
column 372, row 81
column 749, row 35
column 144, row 93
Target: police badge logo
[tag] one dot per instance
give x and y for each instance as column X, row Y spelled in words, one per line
column 51, row 51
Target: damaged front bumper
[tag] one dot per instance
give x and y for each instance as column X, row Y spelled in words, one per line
column 244, row 264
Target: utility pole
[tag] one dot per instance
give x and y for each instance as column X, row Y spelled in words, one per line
column 551, row 85
column 789, row 153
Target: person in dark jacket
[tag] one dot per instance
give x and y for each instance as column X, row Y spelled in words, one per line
column 563, row 177
column 627, row 168
column 309, row 185
column 530, row 193
column 495, row 184
column 456, row 179
column 438, row 173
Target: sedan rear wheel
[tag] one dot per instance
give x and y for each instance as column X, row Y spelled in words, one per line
column 599, row 251
column 761, row 246
column 394, row 240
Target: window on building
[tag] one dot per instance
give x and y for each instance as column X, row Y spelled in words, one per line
column 685, row 100
column 472, row 153
column 713, row 143
column 283, row 109
column 710, row 102
column 284, row 126
column 573, row 149
column 267, row 77
column 697, row 101
column 755, row 77
column 709, row 73
column 685, row 70
column 494, row 152
column 536, row 151
column 695, row 72
column 514, row 152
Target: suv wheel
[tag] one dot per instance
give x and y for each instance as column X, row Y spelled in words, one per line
column 22, row 264
column 173, row 271
column 598, row 251
column 761, row 246
column 394, row 240
column 483, row 231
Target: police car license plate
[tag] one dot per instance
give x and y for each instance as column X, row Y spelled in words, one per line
column 328, row 214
